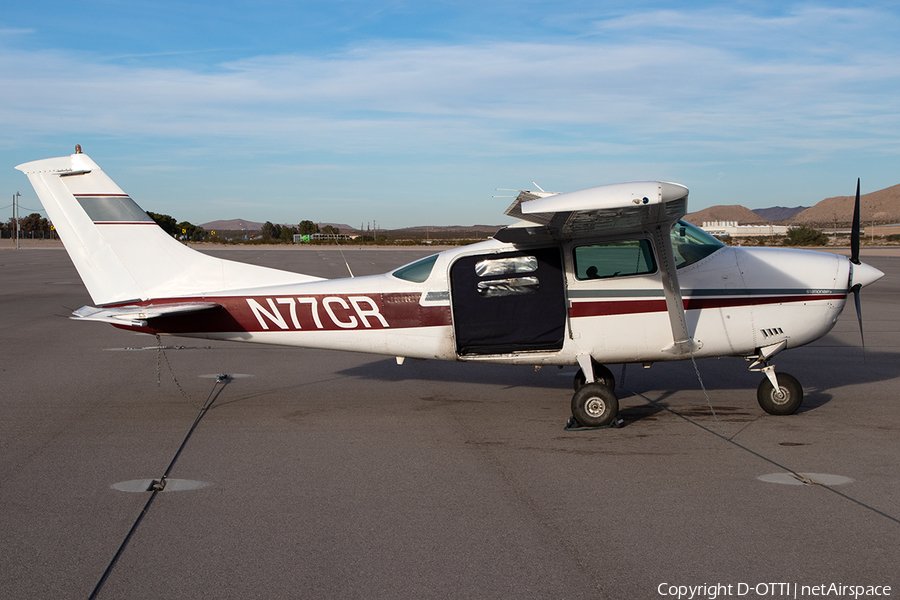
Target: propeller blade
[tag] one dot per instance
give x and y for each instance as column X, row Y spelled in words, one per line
column 854, row 233
column 855, row 289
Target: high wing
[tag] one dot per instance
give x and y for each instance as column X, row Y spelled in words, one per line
column 611, row 209
column 607, row 211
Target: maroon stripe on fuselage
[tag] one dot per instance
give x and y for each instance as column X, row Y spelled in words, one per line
column 316, row 312
column 629, row 307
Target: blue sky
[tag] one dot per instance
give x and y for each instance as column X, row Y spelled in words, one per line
column 412, row 113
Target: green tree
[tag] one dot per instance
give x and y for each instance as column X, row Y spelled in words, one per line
column 185, row 230
column 34, row 223
column 307, row 228
column 270, row 231
column 287, row 233
column 199, row 234
column 168, row 224
column 805, row 236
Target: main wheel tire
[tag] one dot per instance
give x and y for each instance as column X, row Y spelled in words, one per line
column 601, row 375
column 595, row 405
column 786, row 401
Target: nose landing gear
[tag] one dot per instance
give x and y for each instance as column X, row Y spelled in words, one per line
column 783, row 400
column 779, row 394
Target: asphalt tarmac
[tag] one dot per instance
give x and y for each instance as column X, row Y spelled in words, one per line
column 342, row 475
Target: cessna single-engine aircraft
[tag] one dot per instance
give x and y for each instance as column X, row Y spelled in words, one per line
column 606, row 275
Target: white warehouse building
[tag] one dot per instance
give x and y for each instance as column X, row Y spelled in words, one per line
column 731, row 228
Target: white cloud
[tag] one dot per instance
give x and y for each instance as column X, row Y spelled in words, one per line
column 660, row 86
column 699, row 86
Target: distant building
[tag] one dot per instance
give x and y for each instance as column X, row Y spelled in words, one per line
column 298, row 238
column 882, row 230
column 732, row 229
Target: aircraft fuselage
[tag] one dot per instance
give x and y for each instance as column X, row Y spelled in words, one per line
column 735, row 299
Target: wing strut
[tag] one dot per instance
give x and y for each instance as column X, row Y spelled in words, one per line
column 649, row 206
column 682, row 341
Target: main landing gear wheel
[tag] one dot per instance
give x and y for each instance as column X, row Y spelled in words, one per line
column 595, row 405
column 601, row 375
column 784, row 401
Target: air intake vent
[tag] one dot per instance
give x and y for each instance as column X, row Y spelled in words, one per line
column 772, row 332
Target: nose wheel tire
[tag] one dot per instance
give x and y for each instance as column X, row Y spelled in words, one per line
column 784, row 401
column 601, row 375
column 595, row 405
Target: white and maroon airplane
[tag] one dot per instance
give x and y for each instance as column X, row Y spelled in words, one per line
column 604, row 275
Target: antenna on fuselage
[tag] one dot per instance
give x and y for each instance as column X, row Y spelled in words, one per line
column 541, row 192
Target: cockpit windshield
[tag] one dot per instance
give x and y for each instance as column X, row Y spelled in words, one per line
column 691, row 244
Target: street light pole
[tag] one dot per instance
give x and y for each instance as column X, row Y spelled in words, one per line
column 16, row 216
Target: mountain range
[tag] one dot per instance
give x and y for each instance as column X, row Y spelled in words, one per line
column 881, row 207
column 244, row 225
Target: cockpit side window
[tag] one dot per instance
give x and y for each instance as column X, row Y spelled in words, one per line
column 418, row 271
column 691, row 244
column 614, row 259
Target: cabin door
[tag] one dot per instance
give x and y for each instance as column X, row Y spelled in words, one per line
column 509, row 302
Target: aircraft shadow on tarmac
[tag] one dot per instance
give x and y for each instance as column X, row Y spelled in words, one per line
column 820, row 367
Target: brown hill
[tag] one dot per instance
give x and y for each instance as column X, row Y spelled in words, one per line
column 446, row 232
column 742, row 215
column 882, row 206
column 232, row 225
column 244, row 225
column 779, row 213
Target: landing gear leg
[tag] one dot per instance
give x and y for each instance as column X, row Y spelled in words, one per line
column 601, row 375
column 778, row 394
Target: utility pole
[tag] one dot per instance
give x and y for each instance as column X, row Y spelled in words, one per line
column 16, row 216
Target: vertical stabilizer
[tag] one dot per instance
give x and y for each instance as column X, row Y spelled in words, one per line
column 120, row 252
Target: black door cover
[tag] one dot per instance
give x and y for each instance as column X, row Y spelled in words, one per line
column 509, row 302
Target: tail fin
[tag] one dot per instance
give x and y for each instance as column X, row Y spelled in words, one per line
column 120, row 252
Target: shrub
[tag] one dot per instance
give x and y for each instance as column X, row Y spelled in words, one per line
column 805, row 236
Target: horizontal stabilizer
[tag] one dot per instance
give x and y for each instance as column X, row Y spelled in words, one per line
column 137, row 316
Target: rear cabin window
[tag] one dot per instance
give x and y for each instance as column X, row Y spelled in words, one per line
column 506, row 266
column 691, row 244
column 514, row 286
column 418, row 271
column 614, row 259
column 511, row 286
